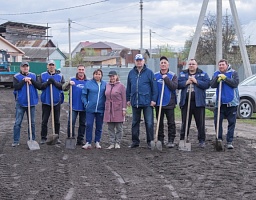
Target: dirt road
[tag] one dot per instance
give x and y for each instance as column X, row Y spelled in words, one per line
column 54, row 172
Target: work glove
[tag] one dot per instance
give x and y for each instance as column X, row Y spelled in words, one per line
column 221, row 77
column 50, row 81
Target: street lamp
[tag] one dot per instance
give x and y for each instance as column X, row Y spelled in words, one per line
column 150, row 51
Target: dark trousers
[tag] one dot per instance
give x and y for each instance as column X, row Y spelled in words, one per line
column 149, row 123
column 46, row 111
column 81, row 128
column 230, row 114
column 169, row 113
column 199, row 116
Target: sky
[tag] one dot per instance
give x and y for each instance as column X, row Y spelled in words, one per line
column 172, row 22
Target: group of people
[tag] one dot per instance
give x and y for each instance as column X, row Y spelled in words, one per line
column 98, row 101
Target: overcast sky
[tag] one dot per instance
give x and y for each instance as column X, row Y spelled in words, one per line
column 118, row 21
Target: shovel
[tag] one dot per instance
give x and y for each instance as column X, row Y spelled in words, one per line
column 156, row 143
column 184, row 145
column 218, row 143
column 32, row 144
column 70, row 142
column 52, row 138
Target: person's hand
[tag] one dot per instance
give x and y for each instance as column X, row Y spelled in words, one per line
column 222, row 76
column 51, row 81
column 124, row 112
column 28, row 80
column 152, row 103
column 163, row 76
column 188, row 82
column 128, row 103
column 72, row 82
column 193, row 80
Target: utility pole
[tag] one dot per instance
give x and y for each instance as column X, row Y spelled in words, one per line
column 69, row 42
column 141, row 24
column 150, row 50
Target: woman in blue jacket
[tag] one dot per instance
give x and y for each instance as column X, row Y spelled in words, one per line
column 93, row 97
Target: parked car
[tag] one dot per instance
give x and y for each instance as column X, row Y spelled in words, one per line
column 247, row 93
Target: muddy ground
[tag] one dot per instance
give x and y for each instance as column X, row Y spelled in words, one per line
column 54, row 172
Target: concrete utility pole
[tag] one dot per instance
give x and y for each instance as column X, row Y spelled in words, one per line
column 245, row 58
column 150, row 49
column 69, row 42
column 141, row 26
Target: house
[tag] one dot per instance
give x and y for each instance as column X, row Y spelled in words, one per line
column 42, row 54
column 35, row 43
column 15, row 31
column 15, row 53
column 80, row 48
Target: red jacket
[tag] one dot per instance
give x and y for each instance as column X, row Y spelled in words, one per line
column 115, row 102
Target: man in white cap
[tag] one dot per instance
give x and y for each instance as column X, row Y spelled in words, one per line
column 141, row 94
column 20, row 81
column 51, row 76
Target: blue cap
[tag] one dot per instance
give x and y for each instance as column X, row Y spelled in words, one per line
column 139, row 57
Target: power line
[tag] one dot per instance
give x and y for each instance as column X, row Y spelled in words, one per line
column 54, row 10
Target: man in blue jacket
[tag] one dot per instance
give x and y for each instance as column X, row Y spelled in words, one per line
column 77, row 83
column 229, row 99
column 141, row 94
column 169, row 101
column 20, row 81
column 198, row 81
column 51, row 76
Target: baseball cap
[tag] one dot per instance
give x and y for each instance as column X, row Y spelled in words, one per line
column 24, row 63
column 51, row 62
column 111, row 73
column 163, row 58
column 139, row 57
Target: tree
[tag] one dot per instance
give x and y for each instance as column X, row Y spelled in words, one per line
column 206, row 49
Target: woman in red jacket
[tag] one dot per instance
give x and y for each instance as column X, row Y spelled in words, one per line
column 115, row 109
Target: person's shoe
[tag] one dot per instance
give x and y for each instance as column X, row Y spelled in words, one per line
column 43, row 141
column 58, row 141
column 170, row 145
column 202, row 144
column 230, row 145
column 149, row 145
column 80, row 143
column 87, row 146
column 133, row 145
column 97, row 145
column 112, row 146
column 15, row 144
column 117, row 146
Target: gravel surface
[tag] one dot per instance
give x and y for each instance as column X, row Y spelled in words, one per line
column 54, row 172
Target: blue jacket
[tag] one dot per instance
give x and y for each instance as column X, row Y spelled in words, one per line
column 93, row 96
column 203, row 83
column 229, row 90
column 58, row 96
column 21, row 95
column 141, row 87
column 168, row 91
column 77, row 103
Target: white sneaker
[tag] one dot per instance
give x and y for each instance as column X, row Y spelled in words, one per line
column 87, row 146
column 97, row 145
column 111, row 146
column 117, row 146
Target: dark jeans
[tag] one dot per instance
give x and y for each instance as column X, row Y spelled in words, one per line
column 169, row 113
column 230, row 114
column 89, row 126
column 46, row 111
column 149, row 123
column 81, row 128
column 199, row 115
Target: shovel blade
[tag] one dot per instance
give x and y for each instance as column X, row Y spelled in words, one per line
column 218, row 145
column 33, row 145
column 70, row 143
column 52, row 139
column 184, row 146
column 159, row 146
